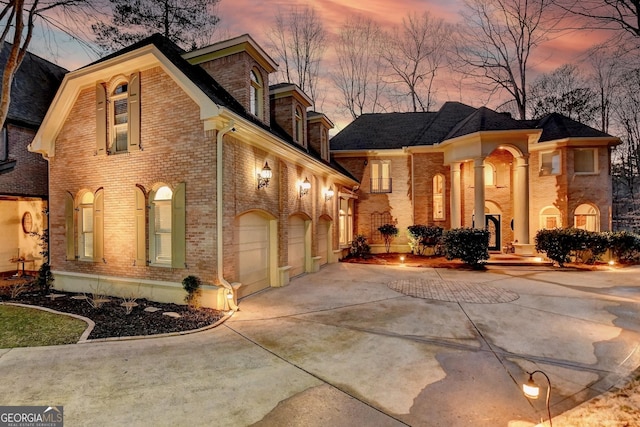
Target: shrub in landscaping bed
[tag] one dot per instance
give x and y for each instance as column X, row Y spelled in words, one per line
column 467, row 244
column 359, row 246
column 388, row 231
column 422, row 237
column 561, row 244
column 624, row 246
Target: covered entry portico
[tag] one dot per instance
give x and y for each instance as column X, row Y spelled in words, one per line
column 473, row 149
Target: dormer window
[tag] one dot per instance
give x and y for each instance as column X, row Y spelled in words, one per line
column 120, row 104
column 324, row 144
column 299, row 129
column 256, row 94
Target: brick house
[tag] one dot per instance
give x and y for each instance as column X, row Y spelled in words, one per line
column 165, row 164
column 23, row 175
column 466, row 167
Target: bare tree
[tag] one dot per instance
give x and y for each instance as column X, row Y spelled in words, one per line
column 360, row 70
column 566, row 91
column 17, row 22
column 497, row 39
column 415, row 52
column 298, row 40
column 188, row 23
column 606, row 14
column 626, row 172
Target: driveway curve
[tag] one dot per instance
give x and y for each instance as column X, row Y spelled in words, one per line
column 341, row 347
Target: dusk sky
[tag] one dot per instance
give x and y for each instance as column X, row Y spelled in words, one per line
column 256, row 17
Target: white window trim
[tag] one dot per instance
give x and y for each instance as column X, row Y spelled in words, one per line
column 543, row 217
column 153, row 248
column 441, row 196
column 81, row 234
column 385, row 184
column 113, row 147
column 596, row 169
column 559, row 163
column 256, row 108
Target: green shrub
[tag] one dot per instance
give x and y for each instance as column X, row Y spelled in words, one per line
column 467, row 244
column 359, row 246
column 560, row 244
column 624, row 246
column 388, row 231
column 44, row 280
column 192, row 284
column 556, row 243
column 422, row 237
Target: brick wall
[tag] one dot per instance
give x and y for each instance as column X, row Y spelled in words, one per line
column 172, row 152
column 232, row 72
column 29, row 177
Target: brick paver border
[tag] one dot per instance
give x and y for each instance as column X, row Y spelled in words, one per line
column 453, row 291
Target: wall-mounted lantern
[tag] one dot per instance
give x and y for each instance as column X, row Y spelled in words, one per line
column 264, row 176
column 305, row 186
column 328, row 195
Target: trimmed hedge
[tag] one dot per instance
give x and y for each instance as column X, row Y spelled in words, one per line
column 562, row 245
column 467, row 244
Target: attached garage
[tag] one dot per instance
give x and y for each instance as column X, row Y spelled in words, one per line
column 323, row 240
column 252, row 254
column 296, row 245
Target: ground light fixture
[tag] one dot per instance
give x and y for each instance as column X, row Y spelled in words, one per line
column 532, row 391
column 264, row 176
column 305, row 186
column 401, row 259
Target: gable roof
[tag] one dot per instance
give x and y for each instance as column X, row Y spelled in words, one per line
column 453, row 120
column 34, row 86
column 204, row 83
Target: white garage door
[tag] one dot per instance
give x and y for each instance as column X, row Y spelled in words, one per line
column 252, row 256
column 296, row 245
column 323, row 241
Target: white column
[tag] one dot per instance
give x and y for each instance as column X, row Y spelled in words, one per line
column 478, row 193
column 521, row 200
column 455, row 205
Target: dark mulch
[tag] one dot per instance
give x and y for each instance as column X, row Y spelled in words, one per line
column 409, row 260
column 111, row 319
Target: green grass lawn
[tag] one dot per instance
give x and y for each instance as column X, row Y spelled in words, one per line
column 28, row 327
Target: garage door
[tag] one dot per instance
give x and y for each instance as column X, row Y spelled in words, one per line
column 252, row 256
column 323, row 241
column 296, row 245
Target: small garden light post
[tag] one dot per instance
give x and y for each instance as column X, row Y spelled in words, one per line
column 532, row 391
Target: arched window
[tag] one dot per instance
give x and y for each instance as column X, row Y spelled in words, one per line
column 299, row 126
column 489, row 174
column 256, row 96
column 85, row 227
column 161, row 205
column 550, row 218
column 438, row 197
column 586, row 218
column 120, row 103
column 167, row 227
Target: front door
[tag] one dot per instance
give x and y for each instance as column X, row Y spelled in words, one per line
column 493, row 226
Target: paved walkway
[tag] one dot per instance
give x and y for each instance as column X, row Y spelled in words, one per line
column 341, row 348
column 453, row 291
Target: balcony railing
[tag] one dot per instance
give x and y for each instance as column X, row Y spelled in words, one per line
column 381, row 185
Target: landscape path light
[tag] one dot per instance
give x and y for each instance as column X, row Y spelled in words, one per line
column 532, row 391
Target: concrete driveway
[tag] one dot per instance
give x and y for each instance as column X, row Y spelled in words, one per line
column 350, row 346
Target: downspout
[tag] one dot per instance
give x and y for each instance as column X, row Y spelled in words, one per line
column 229, row 292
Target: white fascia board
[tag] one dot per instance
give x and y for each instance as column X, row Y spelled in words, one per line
column 74, row 82
column 608, row 141
column 369, row 153
column 256, row 136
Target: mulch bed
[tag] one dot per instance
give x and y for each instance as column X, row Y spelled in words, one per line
column 111, row 319
column 409, row 260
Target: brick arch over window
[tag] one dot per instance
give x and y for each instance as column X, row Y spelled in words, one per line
column 587, row 217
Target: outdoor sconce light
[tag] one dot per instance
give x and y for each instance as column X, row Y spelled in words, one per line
column 264, row 176
column 328, row 195
column 532, row 391
column 305, row 186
